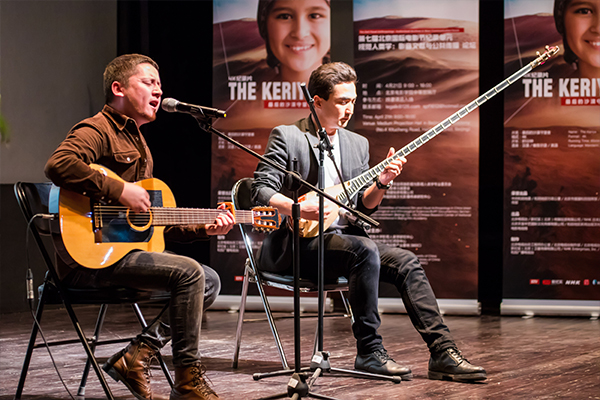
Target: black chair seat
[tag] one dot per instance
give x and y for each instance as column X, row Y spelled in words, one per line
column 111, row 295
column 306, row 284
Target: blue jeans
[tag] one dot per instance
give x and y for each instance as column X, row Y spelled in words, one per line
column 365, row 262
column 193, row 287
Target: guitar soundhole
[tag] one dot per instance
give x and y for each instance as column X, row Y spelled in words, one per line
column 122, row 227
column 139, row 220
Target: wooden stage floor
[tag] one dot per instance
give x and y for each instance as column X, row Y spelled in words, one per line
column 534, row 358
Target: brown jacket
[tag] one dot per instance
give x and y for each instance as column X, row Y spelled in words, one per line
column 113, row 140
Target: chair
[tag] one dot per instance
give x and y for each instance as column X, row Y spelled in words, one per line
column 33, row 199
column 241, row 199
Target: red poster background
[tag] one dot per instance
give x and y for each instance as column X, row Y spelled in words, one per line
column 552, row 172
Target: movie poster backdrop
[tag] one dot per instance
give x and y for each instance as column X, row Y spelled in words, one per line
column 418, row 63
column 552, row 153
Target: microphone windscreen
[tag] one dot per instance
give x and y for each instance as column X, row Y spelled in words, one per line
column 169, row 104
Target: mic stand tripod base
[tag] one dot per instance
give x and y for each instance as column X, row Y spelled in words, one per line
column 298, row 387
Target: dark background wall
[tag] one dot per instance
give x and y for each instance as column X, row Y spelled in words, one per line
column 178, row 35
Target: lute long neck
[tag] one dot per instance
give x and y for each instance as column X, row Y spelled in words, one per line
column 356, row 184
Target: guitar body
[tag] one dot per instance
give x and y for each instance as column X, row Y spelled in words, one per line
column 310, row 228
column 96, row 235
column 100, row 248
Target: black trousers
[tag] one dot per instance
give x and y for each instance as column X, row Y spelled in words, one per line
column 366, row 262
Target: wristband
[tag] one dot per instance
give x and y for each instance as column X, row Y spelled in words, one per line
column 381, row 186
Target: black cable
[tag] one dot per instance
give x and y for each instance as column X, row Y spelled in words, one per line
column 30, row 296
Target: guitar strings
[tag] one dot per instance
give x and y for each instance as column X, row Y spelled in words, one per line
column 163, row 214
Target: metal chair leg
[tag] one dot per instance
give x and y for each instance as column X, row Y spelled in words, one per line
column 347, row 306
column 30, row 346
column 93, row 341
column 88, row 351
column 267, row 308
column 240, row 323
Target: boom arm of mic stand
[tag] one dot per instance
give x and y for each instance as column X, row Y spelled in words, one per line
column 205, row 125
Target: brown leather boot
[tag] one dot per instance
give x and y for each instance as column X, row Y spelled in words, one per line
column 132, row 367
column 191, row 385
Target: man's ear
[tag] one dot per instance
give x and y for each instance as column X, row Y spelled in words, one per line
column 318, row 102
column 117, row 89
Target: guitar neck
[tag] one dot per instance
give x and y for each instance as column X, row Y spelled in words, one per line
column 166, row 216
column 356, row 184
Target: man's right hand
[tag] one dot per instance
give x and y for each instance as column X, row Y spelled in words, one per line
column 135, row 197
column 309, row 209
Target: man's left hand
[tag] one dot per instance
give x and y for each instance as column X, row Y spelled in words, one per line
column 393, row 169
column 222, row 225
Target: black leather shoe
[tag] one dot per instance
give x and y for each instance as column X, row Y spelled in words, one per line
column 380, row 362
column 452, row 366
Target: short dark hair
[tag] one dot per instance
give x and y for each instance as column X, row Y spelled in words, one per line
column 326, row 76
column 560, row 7
column 262, row 15
column 121, row 69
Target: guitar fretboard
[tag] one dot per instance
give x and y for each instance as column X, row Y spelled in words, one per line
column 165, row 216
column 192, row 216
column 367, row 177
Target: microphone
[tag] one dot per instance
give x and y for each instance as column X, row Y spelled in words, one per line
column 353, row 219
column 172, row 105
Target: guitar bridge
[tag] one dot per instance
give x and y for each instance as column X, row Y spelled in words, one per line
column 97, row 223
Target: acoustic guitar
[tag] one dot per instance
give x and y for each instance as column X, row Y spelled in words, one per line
column 96, row 235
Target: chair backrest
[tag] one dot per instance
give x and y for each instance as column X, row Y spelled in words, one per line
column 34, row 198
column 241, row 194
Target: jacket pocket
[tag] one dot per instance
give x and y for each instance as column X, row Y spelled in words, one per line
column 127, row 157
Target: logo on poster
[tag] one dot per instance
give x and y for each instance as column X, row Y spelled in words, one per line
column 534, row 281
column 243, row 87
column 572, row 91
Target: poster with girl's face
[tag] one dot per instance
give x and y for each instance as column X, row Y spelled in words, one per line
column 262, row 52
column 552, row 152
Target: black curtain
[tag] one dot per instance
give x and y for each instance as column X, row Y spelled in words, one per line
column 178, row 36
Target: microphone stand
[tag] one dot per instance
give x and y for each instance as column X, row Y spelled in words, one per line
column 320, row 360
column 298, row 387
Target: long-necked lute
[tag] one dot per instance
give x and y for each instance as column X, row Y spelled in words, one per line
column 96, row 235
column 310, row 228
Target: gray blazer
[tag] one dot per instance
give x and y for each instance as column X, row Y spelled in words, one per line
column 298, row 141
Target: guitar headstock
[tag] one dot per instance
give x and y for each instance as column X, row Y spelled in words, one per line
column 542, row 58
column 265, row 219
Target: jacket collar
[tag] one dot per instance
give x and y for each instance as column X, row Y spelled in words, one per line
column 310, row 131
column 120, row 120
